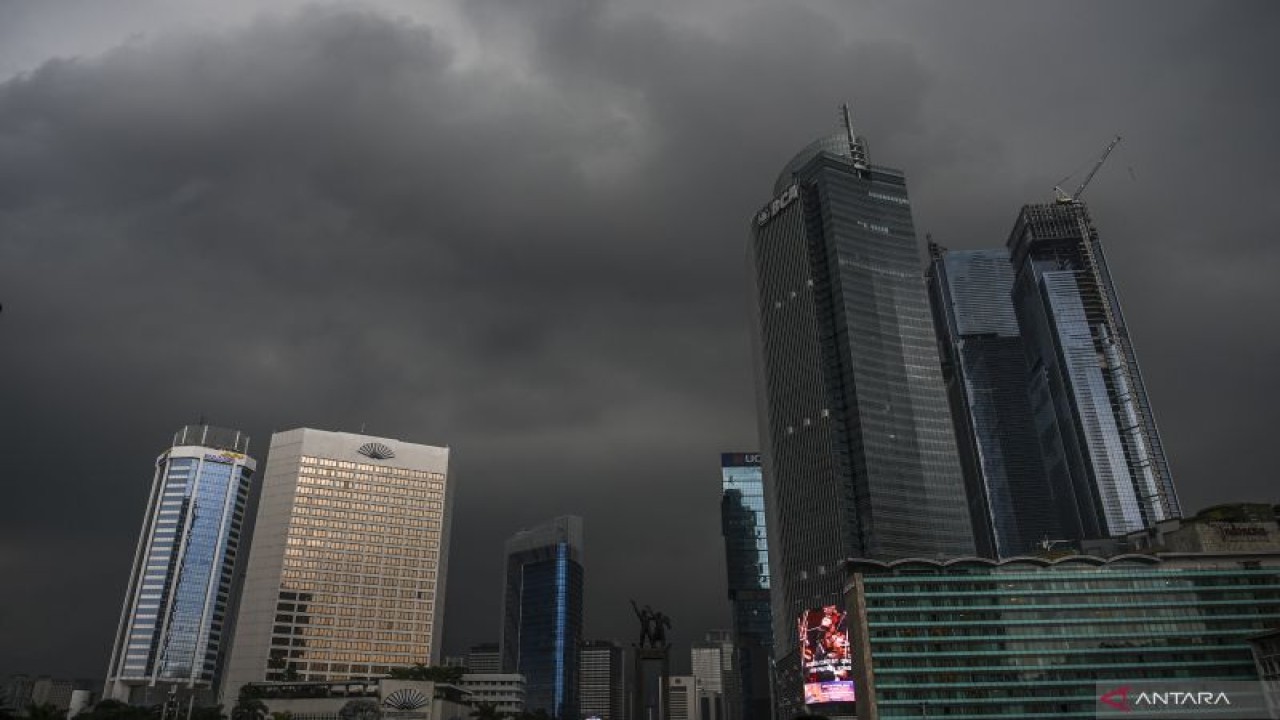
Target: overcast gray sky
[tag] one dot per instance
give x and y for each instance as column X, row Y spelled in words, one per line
column 518, row 228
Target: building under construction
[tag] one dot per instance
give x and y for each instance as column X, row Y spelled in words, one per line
column 1102, row 451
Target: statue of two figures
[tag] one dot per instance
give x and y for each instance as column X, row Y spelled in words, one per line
column 653, row 627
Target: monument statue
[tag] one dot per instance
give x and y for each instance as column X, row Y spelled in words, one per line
column 653, row 627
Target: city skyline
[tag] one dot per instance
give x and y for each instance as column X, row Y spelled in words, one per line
column 298, row 221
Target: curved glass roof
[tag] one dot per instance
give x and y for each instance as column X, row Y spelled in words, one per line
column 836, row 143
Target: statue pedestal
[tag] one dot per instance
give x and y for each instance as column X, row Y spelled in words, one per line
column 651, row 686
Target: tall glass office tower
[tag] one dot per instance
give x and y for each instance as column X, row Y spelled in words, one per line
column 858, row 449
column 1011, row 503
column 746, row 549
column 1099, row 437
column 542, row 622
column 174, row 630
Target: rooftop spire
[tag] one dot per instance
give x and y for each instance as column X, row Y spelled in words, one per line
column 857, row 145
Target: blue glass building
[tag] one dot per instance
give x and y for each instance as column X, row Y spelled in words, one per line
column 1011, row 503
column 542, row 623
column 746, row 548
column 1038, row 638
column 175, row 626
column 1102, row 450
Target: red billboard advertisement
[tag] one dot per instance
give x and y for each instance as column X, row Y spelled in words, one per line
column 824, row 656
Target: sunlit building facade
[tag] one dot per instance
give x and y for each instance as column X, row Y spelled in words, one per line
column 174, row 628
column 346, row 579
column 542, row 614
column 714, row 665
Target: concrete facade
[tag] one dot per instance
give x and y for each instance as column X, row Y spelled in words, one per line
column 346, row 577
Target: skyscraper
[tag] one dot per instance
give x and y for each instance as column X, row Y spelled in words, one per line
column 346, row 579
column 1099, row 437
column 542, row 623
column 174, row 629
column 858, row 449
column 1011, row 503
column 601, row 686
column 746, row 547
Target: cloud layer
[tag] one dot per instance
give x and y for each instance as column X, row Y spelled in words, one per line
column 519, row 230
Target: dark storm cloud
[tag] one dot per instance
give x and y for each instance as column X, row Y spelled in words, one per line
column 528, row 244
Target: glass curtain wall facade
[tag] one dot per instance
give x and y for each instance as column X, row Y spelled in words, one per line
column 1011, row 503
column 175, row 628
column 1033, row 638
column 542, row 628
column 1098, row 435
column 346, row 579
column 746, row 545
column 858, row 449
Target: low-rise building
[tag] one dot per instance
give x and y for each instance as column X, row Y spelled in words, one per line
column 1266, row 657
column 1237, row 527
column 505, row 691
column 1035, row 637
column 394, row 699
column 484, row 659
column 683, row 701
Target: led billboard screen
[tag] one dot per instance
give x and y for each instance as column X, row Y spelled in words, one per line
column 824, row 656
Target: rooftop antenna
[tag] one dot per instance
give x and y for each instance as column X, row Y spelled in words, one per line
column 857, row 147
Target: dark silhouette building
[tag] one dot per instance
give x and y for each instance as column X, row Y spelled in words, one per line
column 1011, row 503
column 858, row 448
column 746, row 548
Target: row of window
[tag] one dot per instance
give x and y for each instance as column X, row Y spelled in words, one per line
column 363, row 467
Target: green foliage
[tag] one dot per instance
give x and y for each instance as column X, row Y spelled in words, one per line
column 116, row 710
column 249, row 705
column 45, row 712
column 360, row 710
column 209, row 712
column 487, row 711
column 450, row 675
column 286, row 715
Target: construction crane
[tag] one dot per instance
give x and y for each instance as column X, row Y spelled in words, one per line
column 1061, row 195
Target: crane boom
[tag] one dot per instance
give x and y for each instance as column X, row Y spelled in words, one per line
column 1096, row 166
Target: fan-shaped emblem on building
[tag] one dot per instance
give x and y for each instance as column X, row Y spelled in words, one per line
column 406, row 699
column 377, row 451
